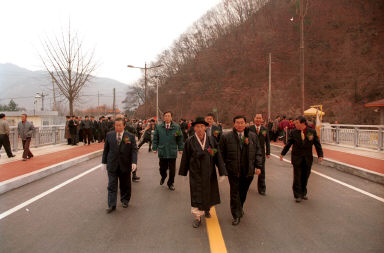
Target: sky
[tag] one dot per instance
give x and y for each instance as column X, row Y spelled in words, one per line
column 122, row 32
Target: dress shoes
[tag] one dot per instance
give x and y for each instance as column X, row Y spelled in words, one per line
column 24, row 159
column 262, row 193
column 196, row 223
column 207, row 214
column 110, row 209
column 136, row 179
column 171, row 187
column 298, row 200
column 235, row 221
column 162, row 181
column 125, row 204
column 305, row 198
column 11, row 156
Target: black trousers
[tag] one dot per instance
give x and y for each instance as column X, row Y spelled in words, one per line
column 27, row 152
column 87, row 135
column 123, row 178
column 301, row 174
column 145, row 141
column 74, row 138
column 261, row 187
column 166, row 164
column 238, row 190
column 4, row 141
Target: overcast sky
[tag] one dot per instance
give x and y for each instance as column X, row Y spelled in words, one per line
column 122, row 32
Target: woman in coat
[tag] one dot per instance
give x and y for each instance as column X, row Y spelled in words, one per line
column 200, row 157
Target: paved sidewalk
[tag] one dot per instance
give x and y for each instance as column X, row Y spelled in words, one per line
column 43, row 157
column 368, row 160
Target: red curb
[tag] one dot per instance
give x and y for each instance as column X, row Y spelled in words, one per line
column 364, row 162
column 18, row 168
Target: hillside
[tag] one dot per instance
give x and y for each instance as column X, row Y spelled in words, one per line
column 344, row 56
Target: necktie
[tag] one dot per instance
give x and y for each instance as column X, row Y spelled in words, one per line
column 302, row 135
column 118, row 139
column 241, row 141
column 258, row 130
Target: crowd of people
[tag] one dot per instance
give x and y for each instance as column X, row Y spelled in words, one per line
column 206, row 150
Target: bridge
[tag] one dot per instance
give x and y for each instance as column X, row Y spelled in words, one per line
column 55, row 202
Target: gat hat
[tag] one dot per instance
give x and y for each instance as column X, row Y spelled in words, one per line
column 200, row 120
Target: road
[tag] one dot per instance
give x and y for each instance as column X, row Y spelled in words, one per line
column 336, row 218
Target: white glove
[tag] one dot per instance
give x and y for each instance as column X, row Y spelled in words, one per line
column 134, row 167
column 103, row 167
column 222, row 178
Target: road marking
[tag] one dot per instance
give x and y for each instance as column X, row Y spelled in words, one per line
column 216, row 241
column 340, row 182
column 30, row 201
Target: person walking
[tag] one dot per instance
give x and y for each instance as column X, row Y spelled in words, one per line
column 119, row 159
column 303, row 138
column 242, row 155
column 200, row 158
column 4, row 136
column 167, row 140
column 25, row 130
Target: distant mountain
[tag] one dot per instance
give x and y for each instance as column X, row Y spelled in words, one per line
column 22, row 85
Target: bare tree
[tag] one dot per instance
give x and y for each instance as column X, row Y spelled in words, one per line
column 67, row 65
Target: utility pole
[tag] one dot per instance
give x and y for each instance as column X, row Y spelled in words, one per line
column 98, row 98
column 269, row 88
column 54, row 95
column 157, row 100
column 145, row 91
column 114, row 102
column 302, row 54
column 42, row 100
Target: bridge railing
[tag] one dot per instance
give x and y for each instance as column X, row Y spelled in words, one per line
column 365, row 136
column 43, row 135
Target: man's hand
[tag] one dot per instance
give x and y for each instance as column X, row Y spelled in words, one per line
column 257, row 171
column 134, row 167
column 281, row 158
column 180, row 152
column 222, row 178
column 320, row 159
column 155, row 151
column 268, row 156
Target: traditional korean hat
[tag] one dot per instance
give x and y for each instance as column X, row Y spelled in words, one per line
column 200, row 120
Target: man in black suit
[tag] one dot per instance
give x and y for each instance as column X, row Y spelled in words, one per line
column 263, row 136
column 119, row 158
column 242, row 156
column 212, row 130
column 302, row 139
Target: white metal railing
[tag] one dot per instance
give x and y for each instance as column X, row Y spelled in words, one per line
column 43, row 135
column 365, row 136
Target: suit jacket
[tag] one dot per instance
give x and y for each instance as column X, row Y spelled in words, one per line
column 264, row 140
column 216, row 132
column 229, row 147
column 119, row 156
column 302, row 150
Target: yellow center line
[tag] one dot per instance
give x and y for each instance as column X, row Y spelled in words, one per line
column 216, row 240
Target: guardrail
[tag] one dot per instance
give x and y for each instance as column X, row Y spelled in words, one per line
column 365, row 136
column 43, row 135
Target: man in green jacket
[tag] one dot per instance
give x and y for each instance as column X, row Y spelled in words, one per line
column 167, row 140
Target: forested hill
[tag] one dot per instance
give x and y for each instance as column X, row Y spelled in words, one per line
column 222, row 60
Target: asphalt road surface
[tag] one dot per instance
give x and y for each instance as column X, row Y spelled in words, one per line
column 336, row 218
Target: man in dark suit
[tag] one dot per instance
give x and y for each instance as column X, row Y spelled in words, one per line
column 263, row 136
column 242, row 156
column 302, row 139
column 212, row 130
column 119, row 158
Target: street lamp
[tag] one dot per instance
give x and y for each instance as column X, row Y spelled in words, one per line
column 145, row 83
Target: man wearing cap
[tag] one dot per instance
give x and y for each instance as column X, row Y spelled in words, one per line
column 4, row 136
column 200, row 157
column 242, row 156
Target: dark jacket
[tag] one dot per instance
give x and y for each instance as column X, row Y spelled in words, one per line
column 302, row 150
column 229, row 147
column 123, row 155
column 201, row 165
column 216, row 132
column 264, row 140
column 167, row 142
column 72, row 126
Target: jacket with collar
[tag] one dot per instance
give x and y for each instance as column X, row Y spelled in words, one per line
column 167, row 141
column 264, row 140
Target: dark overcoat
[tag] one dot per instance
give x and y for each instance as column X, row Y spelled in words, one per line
column 201, row 164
